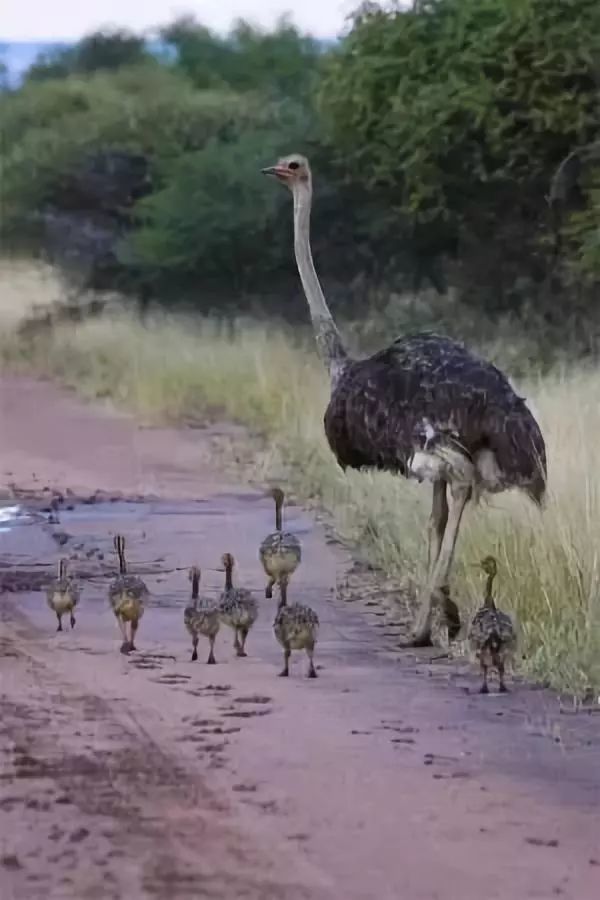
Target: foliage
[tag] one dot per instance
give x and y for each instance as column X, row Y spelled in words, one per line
column 52, row 128
column 96, row 52
column 281, row 62
column 575, row 196
column 188, row 227
column 462, row 109
column 584, row 228
column 434, row 133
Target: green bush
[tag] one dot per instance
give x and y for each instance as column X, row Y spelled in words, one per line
column 281, row 62
column 49, row 129
column 461, row 110
column 100, row 50
column 434, row 133
column 214, row 214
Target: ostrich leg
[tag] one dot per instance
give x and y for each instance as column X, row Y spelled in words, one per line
column 437, row 524
column 459, row 495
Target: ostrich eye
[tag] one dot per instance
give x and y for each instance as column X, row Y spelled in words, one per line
column 294, row 165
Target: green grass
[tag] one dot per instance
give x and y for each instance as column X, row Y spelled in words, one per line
column 549, row 562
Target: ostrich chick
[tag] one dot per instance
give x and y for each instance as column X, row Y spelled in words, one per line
column 492, row 635
column 63, row 595
column 296, row 628
column 127, row 595
column 201, row 618
column 280, row 552
column 237, row 607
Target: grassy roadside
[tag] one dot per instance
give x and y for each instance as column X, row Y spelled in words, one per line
column 177, row 368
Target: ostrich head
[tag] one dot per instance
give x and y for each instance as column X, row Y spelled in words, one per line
column 277, row 494
column 227, row 561
column 293, row 171
column 489, row 566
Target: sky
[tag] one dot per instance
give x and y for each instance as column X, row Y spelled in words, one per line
column 35, row 20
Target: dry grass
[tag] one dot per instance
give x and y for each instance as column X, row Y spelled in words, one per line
column 549, row 562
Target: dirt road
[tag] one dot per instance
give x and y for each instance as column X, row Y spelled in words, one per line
column 151, row 776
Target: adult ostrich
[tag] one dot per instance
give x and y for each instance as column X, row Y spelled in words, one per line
column 425, row 407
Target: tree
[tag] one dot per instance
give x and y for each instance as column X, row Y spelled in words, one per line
column 461, row 110
column 99, row 51
column 281, row 62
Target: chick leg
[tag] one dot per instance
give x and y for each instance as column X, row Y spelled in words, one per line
column 484, row 689
column 59, row 617
column 72, row 620
column 502, row 687
column 125, row 648
column 269, row 588
column 211, row 656
column 133, row 628
column 286, row 662
column 242, row 647
column 312, row 672
column 194, row 648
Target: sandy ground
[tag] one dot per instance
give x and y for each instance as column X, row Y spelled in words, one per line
column 150, row 776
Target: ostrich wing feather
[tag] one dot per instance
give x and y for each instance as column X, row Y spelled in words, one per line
column 425, row 388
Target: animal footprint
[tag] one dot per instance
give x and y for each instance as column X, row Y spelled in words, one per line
column 254, row 698
column 244, row 788
column 172, row 678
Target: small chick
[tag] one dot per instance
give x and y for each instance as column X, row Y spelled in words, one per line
column 127, row 595
column 296, row 627
column 237, row 607
column 63, row 595
column 201, row 618
column 280, row 552
column 492, row 634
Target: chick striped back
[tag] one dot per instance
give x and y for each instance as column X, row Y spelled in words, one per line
column 296, row 626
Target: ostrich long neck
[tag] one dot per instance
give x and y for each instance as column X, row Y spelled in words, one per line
column 488, row 600
column 329, row 342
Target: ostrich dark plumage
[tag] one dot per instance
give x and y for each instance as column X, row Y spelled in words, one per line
column 425, row 407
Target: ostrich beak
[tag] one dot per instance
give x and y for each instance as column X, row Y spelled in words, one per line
column 277, row 171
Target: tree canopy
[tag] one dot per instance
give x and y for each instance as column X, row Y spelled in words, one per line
column 435, row 133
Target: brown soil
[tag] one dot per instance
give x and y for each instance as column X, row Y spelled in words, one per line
column 150, row 776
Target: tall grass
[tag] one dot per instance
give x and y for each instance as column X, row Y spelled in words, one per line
column 175, row 369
